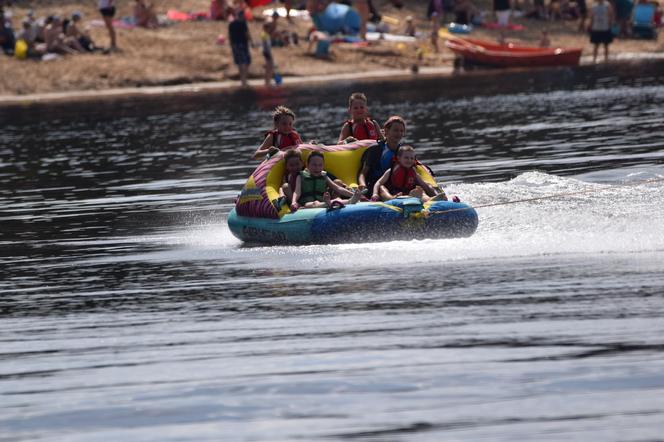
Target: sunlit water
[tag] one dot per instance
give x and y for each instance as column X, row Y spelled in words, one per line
column 129, row 312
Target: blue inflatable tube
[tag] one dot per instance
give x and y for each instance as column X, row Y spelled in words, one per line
column 399, row 219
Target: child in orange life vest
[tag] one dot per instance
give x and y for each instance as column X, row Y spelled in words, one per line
column 313, row 184
column 294, row 166
column 360, row 126
column 282, row 136
column 402, row 179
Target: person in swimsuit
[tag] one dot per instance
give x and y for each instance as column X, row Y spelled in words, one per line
column 107, row 11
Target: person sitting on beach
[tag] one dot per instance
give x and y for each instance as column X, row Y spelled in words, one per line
column 410, row 30
column 294, row 166
column 465, row 13
column 360, row 126
column 380, row 157
column 83, row 37
column 28, row 36
column 402, row 180
column 219, row 9
column 144, row 15
column 312, row 187
column 57, row 42
column 282, row 137
column 7, row 37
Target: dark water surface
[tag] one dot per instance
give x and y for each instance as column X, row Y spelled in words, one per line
column 129, row 312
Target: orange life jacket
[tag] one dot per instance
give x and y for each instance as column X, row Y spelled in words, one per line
column 364, row 130
column 283, row 141
column 402, row 179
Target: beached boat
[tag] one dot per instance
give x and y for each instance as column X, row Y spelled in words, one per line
column 485, row 53
column 259, row 218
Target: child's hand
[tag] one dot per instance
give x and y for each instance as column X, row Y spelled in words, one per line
column 294, row 207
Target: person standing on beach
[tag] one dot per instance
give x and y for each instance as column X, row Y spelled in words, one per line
column 502, row 10
column 238, row 34
column 601, row 21
column 107, row 11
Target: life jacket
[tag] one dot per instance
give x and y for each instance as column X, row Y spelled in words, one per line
column 312, row 187
column 402, row 179
column 380, row 158
column 364, row 130
column 282, row 141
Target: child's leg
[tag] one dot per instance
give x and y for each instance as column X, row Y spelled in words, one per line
column 288, row 193
column 417, row 192
column 385, row 194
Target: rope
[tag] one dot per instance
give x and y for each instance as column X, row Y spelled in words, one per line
column 556, row 195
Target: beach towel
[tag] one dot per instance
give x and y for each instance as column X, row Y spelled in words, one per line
column 294, row 13
column 257, row 3
column 123, row 23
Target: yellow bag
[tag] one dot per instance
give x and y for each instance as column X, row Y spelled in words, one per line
column 21, row 49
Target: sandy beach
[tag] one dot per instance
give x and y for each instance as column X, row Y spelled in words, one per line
column 187, row 53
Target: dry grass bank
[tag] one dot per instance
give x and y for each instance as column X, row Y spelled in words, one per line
column 187, row 52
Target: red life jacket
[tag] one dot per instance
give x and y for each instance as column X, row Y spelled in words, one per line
column 282, row 141
column 364, row 130
column 402, row 179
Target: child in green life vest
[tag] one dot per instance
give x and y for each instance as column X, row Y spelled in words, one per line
column 313, row 185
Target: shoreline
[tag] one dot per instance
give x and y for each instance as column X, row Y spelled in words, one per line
column 626, row 63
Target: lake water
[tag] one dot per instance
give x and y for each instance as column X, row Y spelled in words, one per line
column 129, row 312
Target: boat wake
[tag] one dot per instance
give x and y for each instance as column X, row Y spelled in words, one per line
column 532, row 215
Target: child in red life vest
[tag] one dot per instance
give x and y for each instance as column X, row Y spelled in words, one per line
column 402, row 179
column 294, row 166
column 313, row 184
column 360, row 126
column 282, row 137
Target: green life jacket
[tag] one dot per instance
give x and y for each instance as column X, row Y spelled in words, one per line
column 312, row 187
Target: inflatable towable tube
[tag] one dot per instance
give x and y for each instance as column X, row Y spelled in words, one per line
column 258, row 218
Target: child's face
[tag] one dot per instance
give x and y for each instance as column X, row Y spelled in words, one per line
column 358, row 109
column 293, row 165
column 395, row 132
column 316, row 165
column 285, row 124
column 407, row 158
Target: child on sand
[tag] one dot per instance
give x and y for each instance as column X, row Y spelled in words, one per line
column 282, row 137
column 293, row 161
column 402, row 180
column 312, row 187
column 360, row 126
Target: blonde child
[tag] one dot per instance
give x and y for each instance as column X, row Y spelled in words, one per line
column 360, row 126
column 402, row 180
column 282, row 137
column 312, row 188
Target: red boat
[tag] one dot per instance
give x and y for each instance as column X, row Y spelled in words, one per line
column 484, row 53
